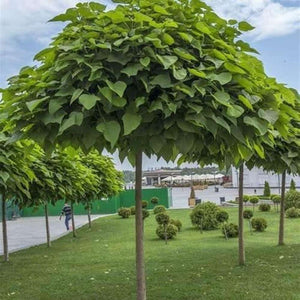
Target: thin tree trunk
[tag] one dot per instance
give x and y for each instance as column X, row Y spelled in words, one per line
column 282, row 210
column 47, row 225
column 241, row 220
column 73, row 221
column 140, row 264
column 89, row 216
column 4, row 229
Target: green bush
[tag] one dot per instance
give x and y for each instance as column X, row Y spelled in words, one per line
column 222, row 216
column 159, row 209
column 232, row 230
column 177, row 223
column 292, row 199
column 162, row 218
column 293, row 212
column 154, row 200
column 144, row 204
column 276, row 199
column 264, row 207
column 273, row 196
column 259, row 224
column 205, row 215
column 246, row 198
column 124, row 212
column 145, row 213
column 171, row 231
column 267, row 191
column 254, row 200
column 247, row 214
column 132, row 210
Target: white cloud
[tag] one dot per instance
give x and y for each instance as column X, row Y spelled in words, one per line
column 270, row 18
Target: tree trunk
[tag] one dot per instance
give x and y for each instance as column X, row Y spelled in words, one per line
column 241, row 220
column 73, row 221
column 4, row 229
column 89, row 216
column 282, row 211
column 47, row 225
column 140, row 264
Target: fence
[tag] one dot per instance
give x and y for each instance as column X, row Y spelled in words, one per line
column 109, row 206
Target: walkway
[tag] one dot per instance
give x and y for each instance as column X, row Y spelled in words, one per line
column 27, row 232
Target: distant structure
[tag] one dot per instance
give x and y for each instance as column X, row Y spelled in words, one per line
column 155, row 176
column 256, row 178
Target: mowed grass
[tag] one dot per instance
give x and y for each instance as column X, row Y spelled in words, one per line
column 100, row 264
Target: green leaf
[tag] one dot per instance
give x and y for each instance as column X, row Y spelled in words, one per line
column 57, row 117
column 118, row 101
column 223, row 78
column 195, row 107
column 168, row 39
column 259, row 124
column 233, row 68
column 245, row 26
column 235, row 111
column 157, row 142
column 203, row 28
column 161, row 10
column 184, row 54
column 4, row 176
column 221, row 122
column 197, row 73
column 139, row 101
column 167, row 60
column 32, row 105
column 145, row 61
column 75, row 118
column 245, row 101
column 107, row 93
column 131, row 121
column 132, row 70
column 55, row 105
column 269, row 115
column 179, row 74
column 186, row 37
column 185, row 142
column 111, row 131
column 222, row 97
column 118, row 87
column 259, row 150
column 76, row 94
column 162, row 80
column 88, row 101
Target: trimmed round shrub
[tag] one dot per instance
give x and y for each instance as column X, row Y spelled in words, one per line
column 273, row 196
column 124, row 212
column 144, row 204
column 232, row 230
column 276, row 199
column 159, row 209
column 222, row 216
column 264, row 207
column 254, row 199
column 292, row 199
column 162, row 218
column 132, row 210
column 171, row 231
column 246, row 198
column 145, row 213
column 259, row 224
column 248, row 214
column 177, row 223
column 293, row 212
column 154, row 200
column 205, row 215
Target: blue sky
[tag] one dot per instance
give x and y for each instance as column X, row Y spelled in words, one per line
column 24, row 31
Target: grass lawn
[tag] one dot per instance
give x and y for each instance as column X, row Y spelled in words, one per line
column 100, row 264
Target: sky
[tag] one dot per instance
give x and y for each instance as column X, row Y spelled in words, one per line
column 24, row 31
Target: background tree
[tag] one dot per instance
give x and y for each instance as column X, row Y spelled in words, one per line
column 15, row 177
column 292, row 185
column 267, row 191
column 159, row 77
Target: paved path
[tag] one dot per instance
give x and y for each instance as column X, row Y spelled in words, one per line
column 27, row 232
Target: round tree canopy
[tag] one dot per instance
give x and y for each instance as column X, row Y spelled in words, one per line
column 162, row 77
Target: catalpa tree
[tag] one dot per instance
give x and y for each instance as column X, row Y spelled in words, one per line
column 154, row 77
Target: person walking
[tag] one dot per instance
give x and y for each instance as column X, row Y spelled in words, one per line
column 67, row 212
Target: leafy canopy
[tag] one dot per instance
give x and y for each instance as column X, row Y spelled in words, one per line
column 162, row 77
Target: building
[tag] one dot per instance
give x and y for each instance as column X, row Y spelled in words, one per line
column 155, row 176
column 256, row 178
